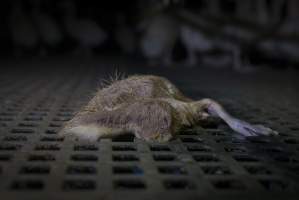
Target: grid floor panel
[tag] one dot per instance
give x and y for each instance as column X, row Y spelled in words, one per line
column 35, row 162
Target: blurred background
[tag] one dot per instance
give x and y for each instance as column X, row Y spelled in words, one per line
column 239, row 35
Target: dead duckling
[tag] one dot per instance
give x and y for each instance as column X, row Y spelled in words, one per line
column 151, row 108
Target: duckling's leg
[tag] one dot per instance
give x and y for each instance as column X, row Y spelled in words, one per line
column 191, row 57
column 242, row 127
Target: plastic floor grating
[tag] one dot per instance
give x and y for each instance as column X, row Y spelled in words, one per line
column 209, row 163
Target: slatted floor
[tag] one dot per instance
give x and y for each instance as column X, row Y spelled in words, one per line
column 36, row 163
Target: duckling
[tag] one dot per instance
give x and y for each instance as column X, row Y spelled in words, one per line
column 85, row 31
column 125, row 36
column 150, row 107
column 24, row 35
column 194, row 41
column 48, row 29
column 158, row 40
column 197, row 42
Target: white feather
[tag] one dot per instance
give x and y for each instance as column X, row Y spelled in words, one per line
column 92, row 132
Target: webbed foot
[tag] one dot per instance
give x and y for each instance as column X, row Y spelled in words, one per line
column 247, row 129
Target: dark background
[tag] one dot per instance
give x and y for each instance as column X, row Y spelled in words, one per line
column 257, row 33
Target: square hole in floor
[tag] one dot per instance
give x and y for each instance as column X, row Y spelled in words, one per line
column 43, row 158
column 5, row 157
column 228, row 184
column 10, row 147
column 235, row 149
column 51, row 139
column 124, row 157
column 172, row 170
column 47, row 147
column 79, row 169
column 84, row 157
column 72, row 185
column 159, row 148
column 27, row 184
column 15, row 138
column 133, row 170
column 216, row 170
column 164, row 157
column 274, row 184
column 258, row 170
column 199, row 148
column 123, row 148
column 129, row 184
column 124, row 138
column 206, row 158
column 22, row 131
column 178, row 184
column 191, row 140
column 245, row 158
column 85, row 148
column 35, row 170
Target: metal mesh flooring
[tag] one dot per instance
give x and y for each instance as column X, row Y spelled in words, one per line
column 209, row 163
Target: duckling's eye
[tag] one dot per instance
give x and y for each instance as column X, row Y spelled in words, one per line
column 164, row 124
column 165, row 120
